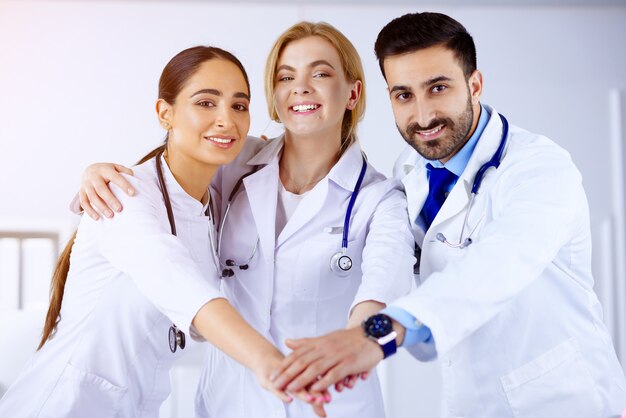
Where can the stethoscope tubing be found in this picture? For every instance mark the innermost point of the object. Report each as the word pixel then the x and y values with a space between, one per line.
pixel 494 162
pixel 496 158
pixel 355 193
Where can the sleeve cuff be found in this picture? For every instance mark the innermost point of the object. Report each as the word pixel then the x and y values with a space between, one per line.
pixel 416 332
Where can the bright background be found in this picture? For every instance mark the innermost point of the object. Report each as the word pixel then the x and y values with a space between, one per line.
pixel 78 82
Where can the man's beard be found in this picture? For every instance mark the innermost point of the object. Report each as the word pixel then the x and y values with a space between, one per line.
pixel 453 140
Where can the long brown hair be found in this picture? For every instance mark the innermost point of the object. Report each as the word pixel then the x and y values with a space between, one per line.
pixel 173 78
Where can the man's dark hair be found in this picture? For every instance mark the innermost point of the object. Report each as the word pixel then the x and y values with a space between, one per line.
pixel 415 31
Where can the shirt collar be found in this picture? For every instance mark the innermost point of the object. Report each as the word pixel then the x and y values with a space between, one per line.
pixel 458 163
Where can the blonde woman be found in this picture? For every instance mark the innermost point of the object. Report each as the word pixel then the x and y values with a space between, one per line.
pixel 314 238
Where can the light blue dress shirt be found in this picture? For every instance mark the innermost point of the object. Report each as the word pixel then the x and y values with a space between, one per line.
pixel 416 332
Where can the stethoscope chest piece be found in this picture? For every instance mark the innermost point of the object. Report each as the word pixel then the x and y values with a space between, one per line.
pixel 177 339
pixel 341 263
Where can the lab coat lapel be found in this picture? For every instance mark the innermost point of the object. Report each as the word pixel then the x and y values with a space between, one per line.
pixel 485 148
pixel 262 191
pixel 306 210
pixel 416 189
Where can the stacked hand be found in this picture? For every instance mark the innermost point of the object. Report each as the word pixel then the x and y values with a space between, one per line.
pixel 338 358
pixel 315 399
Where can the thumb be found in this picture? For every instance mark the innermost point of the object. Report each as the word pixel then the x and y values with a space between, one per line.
pixel 294 344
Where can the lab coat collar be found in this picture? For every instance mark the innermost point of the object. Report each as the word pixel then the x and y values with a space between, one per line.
pixel 344 173
pixel 179 198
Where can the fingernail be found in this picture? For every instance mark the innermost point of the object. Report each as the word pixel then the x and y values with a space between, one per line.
pixel 131 192
pixel 309 397
pixel 108 214
pixel 289 398
pixel 327 397
pixel 117 208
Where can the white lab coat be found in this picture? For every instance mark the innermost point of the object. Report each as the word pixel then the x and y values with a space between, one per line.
pixel 289 290
pixel 129 279
pixel 517 325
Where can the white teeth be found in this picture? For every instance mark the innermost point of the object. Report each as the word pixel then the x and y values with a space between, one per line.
pixel 433 131
pixel 220 140
pixel 304 107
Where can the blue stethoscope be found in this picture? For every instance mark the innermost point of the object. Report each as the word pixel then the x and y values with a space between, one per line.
pixel 340 262
pixel 494 162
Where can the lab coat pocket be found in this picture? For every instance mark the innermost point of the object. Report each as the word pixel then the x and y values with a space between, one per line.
pixel 555 384
pixel 314 279
pixel 79 393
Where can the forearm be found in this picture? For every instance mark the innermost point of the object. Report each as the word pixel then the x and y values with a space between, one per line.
pixel 363 311
pixel 221 325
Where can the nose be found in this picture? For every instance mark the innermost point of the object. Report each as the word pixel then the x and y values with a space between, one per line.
pixel 423 113
pixel 223 117
pixel 302 86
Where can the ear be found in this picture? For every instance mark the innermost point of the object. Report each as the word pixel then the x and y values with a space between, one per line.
pixel 355 94
pixel 475 84
pixel 164 113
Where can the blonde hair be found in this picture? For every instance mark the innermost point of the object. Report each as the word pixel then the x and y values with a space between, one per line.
pixel 350 60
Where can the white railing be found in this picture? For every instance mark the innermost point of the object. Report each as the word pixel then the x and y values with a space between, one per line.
pixel 26 262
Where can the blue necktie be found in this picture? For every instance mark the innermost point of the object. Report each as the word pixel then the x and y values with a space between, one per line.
pixel 439 182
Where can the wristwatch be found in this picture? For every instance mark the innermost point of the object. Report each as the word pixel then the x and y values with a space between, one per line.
pixel 379 328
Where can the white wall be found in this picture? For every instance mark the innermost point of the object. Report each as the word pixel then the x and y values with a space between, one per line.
pixel 78 83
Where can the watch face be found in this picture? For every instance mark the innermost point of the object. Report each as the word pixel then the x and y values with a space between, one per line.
pixel 378 325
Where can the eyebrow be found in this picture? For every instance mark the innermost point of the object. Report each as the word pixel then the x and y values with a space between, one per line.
pixel 426 83
pixel 435 80
pixel 400 88
pixel 216 92
pixel 311 65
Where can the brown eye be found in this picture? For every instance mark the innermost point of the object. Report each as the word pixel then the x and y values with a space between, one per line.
pixel 438 89
pixel 404 96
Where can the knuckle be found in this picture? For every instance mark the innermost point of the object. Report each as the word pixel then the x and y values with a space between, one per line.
pixel 299 363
